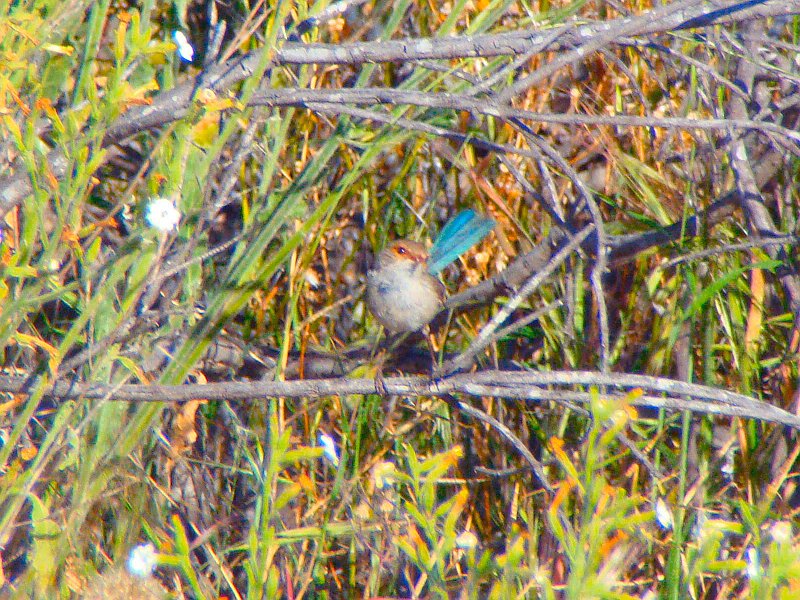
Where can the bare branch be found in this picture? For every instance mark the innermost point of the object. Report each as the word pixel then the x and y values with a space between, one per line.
pixel 509 385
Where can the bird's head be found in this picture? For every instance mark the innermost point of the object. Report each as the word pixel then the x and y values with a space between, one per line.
pixel 403 252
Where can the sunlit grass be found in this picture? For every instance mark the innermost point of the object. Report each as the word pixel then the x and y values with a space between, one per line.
pixel 239 500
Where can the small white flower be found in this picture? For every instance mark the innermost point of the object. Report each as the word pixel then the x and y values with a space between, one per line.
pixel 329 448
pixel 782 532
pixel 466 540
pixel 185 50
pixel 142 560
pixel 753 569
pixel 663 515
pixel 162 214
pixel 728 467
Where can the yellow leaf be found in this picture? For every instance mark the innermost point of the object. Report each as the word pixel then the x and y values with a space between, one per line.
pixel 28 452
pixel 55 49
pixel 206 130
pixel 608 545
pixel 221 104
pixel 21 271
pixel 305 483
pixel 184 433
pixel 206 96
pixel 23 339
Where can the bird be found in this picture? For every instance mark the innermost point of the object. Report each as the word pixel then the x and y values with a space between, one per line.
pixel 404 292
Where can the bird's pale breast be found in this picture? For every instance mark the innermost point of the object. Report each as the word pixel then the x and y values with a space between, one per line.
pixel 403 296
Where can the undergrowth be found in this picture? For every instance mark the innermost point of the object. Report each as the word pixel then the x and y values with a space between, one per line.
pixel 281 209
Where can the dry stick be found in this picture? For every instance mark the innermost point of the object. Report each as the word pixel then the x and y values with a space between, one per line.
pixel 513 43
pixel 766 412
pixel 216 36
pixel 486 334
pixel 486 85
pixel 777 241
pixel 519 385
pixel 300 97
pixel 723 402
pixel 536 466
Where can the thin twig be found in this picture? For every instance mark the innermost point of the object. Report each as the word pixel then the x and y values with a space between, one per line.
pixel 536 466
pixel 749 245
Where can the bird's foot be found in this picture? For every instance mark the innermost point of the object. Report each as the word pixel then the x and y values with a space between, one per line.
pixel 380 383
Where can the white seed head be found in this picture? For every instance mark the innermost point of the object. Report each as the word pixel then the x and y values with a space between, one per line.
pixel 142 560
pixel 162 214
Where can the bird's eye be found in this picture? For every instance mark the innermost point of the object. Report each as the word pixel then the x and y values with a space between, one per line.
pixel 401 250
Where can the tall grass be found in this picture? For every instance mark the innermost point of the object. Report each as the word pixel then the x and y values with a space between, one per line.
pixel 281 209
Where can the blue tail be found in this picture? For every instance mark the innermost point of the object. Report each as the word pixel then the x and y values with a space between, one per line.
pixel 460 233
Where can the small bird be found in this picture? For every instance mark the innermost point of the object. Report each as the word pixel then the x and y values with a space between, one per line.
pixel 403 290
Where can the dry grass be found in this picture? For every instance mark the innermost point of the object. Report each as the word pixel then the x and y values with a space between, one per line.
pixel 283 205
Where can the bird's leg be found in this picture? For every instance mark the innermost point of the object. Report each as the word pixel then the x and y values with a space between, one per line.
pixel 380 382
pixel 391 343
pixel 430 339
pixel 380 385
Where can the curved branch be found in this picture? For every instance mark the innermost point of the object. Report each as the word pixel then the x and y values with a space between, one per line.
pixel 510 385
